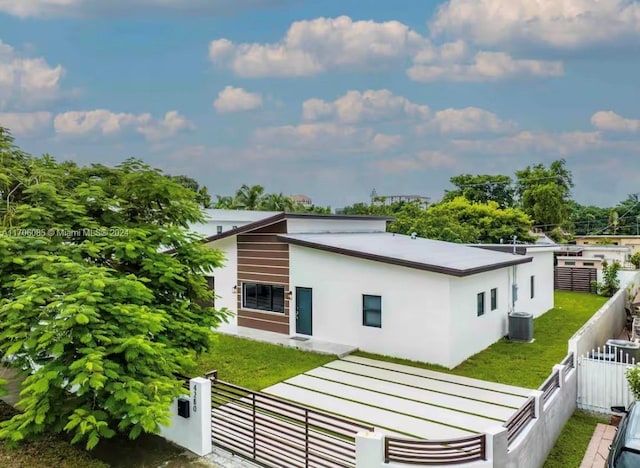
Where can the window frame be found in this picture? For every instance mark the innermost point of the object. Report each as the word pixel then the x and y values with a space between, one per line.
pixel 493 298
pixel 219 229
pixel 480 304
pixel 367 311
pixel 255 306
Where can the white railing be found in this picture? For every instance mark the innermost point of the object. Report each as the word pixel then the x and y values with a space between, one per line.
pixel 601 380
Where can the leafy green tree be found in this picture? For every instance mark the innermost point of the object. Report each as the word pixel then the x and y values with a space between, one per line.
pixel 545 192
pixel 635 260
pixel 202 198
pixel 587 219
pixel 461 221
pixel 92 312
pixel 483 188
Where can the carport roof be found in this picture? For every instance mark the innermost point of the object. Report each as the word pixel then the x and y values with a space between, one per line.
pixel 423 254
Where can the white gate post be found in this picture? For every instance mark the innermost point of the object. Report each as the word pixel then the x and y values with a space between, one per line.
pixel 369 449
pixel 497 446
pixel 538 403
pixel 561 373
pixel 194 431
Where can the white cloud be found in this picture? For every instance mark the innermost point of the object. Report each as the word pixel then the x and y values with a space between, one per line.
pixel 383 142
pixel 557 23
pixel 610 121
pixel 315 135
pixel 485 66
pixel 370 105
pixel 314 46
pixel 105 122
pixel 172 124
pixel 468 120
pixel 26 81
pixel 422 160
pixel 232 99
pixel 561 144
pixel 71 8
pixel 25 123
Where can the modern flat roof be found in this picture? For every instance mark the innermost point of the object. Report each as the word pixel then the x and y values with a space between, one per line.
pixel 281 216
pixel 423 254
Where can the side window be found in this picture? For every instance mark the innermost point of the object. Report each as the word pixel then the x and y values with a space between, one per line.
pixel 480 304
pixel 371 311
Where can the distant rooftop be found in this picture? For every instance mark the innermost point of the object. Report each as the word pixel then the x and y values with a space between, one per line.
pixel 423 254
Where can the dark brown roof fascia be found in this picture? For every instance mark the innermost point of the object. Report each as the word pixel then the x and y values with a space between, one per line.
pixel 405 263
pixel 247 227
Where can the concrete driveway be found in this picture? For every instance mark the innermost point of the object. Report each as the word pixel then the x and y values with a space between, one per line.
pixel 403 400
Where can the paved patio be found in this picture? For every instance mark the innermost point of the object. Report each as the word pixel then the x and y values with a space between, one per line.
pixel 311 344
pixel 404 400
pixel 598 449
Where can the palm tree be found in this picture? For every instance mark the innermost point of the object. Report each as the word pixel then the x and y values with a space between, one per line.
pixel 249 197
pixel 225 203
pixel 277 202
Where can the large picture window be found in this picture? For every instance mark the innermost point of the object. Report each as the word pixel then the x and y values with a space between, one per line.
pixel 371 311
pixel 265 297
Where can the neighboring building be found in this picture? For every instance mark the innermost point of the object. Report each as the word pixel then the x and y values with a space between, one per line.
pixel 302 199
pixel 542 238
pixel 389 199
pixel 219 221
pixel 343 279
pixel 582 254
pixel 633 242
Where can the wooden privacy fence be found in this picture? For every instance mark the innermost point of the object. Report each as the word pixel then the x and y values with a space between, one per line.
pixel 575 279
pixel 278 433
pixel 427 452
pixel 601 380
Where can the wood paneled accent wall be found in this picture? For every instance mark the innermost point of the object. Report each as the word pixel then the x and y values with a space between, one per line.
pixel 263 259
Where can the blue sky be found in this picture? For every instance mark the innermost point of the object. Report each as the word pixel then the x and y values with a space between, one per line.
pixel 331 98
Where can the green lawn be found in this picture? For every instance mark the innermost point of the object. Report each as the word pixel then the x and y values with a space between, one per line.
pixel 526 364
pixel 573 441
pixel 253 364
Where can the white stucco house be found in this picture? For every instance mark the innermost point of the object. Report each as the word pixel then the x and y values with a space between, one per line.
pixel 344 279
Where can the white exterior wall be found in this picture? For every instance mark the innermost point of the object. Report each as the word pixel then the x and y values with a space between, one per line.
pixel 416 321
pixel 610 255
pixel 470 333
pixel 225 279
pixel 542 268
pixel 318 225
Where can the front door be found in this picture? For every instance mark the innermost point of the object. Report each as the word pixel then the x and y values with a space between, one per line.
pixel 303 311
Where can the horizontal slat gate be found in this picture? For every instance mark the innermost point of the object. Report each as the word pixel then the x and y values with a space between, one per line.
pixel 575 279
pixel 278 433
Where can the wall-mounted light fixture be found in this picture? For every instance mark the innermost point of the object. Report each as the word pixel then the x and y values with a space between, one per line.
pixel 235 288
pixel 289 294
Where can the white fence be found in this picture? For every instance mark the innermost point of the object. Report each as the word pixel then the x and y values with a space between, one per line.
pixel 606 323
pixel 602 383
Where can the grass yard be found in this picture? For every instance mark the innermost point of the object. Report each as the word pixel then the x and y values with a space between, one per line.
pixel 253 364
pixel 573 441
pixel 526 364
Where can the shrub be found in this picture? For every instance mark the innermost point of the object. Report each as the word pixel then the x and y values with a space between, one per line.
pixel 610 282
